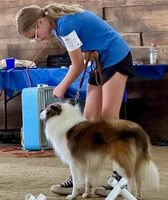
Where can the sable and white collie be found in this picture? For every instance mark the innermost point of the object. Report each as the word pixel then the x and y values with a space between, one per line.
pixel 84 145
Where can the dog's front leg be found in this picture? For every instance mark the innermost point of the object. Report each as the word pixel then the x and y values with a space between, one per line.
pixel 76 188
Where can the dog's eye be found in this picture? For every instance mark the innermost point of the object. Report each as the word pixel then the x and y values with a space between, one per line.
pixel 41 111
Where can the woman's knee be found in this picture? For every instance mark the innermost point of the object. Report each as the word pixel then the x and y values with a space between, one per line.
pixel 91 116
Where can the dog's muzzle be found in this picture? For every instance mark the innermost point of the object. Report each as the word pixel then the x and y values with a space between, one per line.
pixel 43 115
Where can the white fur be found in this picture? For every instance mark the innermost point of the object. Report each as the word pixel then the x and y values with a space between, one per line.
pixel 150 175
pixel 56 130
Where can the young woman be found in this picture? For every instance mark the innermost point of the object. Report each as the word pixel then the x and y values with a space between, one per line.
pixel 81 31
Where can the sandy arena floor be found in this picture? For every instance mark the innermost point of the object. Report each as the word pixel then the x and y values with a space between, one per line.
pixel 22 175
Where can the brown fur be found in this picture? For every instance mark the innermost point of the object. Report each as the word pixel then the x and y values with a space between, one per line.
pixel 114 138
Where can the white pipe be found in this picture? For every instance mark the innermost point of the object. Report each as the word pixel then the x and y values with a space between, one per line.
pixel 119 188
pixel 29 196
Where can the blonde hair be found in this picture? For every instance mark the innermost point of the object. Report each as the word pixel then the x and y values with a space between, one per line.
pixel 27 16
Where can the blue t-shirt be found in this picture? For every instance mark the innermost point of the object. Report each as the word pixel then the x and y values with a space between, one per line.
pixel 95 34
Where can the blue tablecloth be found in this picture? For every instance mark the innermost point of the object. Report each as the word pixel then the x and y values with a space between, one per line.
pixel 17 79
pixel 153 72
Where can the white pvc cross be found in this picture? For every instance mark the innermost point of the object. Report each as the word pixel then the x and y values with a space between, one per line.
pixel 29 196
pixel 119 188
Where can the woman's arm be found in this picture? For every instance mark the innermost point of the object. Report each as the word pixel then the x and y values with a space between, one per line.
pixel 75 69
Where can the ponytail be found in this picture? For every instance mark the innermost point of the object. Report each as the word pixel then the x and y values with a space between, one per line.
pixel 56 10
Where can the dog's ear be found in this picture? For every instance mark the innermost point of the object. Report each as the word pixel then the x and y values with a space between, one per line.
pixel 56 108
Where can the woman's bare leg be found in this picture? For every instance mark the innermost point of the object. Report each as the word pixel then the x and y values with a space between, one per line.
pixel 112 95
pixel 93 104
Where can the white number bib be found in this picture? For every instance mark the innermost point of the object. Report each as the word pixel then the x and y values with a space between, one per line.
pixel 72 41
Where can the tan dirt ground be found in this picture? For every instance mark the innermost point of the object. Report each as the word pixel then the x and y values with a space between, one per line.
pixel 22 175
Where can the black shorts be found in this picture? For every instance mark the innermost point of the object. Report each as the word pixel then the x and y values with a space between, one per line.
pixel 124 67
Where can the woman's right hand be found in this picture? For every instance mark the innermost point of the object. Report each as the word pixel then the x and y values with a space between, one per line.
pixel 59 91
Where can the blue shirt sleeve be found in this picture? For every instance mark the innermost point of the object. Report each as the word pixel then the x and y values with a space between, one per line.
pixel 66 25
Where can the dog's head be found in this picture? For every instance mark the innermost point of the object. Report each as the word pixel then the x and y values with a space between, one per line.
pixel 66 110
pixel 51 110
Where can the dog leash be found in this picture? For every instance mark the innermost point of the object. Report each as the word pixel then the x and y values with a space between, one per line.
pixel 95 56
pixel 33 61
pixel 75 99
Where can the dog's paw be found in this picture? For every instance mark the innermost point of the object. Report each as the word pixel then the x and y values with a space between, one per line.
pixel 86 195
pixel 70 197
